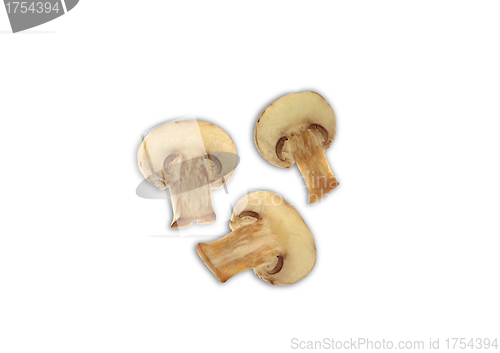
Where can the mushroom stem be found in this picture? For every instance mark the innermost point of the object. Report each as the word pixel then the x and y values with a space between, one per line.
pixel 244 248
pixel 313 166
pixel 192 195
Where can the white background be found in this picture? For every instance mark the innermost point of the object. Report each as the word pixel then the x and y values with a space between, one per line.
pixel 407 245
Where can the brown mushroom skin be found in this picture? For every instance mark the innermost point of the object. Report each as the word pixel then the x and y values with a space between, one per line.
pixel 269 236
pixel 298 128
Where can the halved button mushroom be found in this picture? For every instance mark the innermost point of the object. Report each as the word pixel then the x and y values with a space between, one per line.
pixel 298 128
pixel 190 157
pixel 267 235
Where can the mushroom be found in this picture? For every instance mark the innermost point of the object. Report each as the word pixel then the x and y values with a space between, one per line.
pixel 267 235
pixel 298 128
pixel 191 158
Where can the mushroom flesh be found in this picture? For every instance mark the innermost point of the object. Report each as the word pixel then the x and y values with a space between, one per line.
pixel 191 158
pixel 267 235
pixel 298 128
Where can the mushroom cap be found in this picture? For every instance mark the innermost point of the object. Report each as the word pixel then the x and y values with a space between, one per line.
pixel 190 139
pixel 291 114
pixel 295 238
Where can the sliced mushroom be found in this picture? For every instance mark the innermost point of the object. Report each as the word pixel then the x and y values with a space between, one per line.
pixel 267 235
pixel 298 128
pixel 191 158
